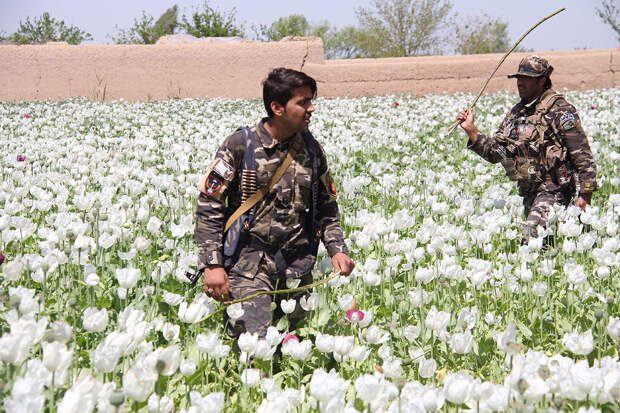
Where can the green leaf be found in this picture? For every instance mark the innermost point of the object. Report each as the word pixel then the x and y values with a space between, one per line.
pixel 282 324
pixel 564 326
pixel 307 331
pixel 523 329
pixel 323 318
pixel 197 376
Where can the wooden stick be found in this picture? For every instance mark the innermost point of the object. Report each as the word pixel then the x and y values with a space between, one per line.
pixel 484 86
pixel 275 292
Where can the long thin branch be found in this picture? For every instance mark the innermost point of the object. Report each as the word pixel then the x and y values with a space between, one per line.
pixel 484 86
pixel 275 292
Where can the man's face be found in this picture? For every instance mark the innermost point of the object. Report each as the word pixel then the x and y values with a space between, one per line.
pixel 298 110
pixel 530 87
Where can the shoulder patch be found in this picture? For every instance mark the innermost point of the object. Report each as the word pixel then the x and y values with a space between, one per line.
pixel 567 121
pixel 221 168
pixel 332 187
pixel 213 184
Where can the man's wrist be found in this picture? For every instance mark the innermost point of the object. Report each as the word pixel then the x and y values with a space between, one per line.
pixel 473 135
pixel 209 257
pixel 335 249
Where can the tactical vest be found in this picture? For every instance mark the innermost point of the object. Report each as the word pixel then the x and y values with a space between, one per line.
pixel 533 151
pixel 238 234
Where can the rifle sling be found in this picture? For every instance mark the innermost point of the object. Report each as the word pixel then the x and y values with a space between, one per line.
pixel 263 190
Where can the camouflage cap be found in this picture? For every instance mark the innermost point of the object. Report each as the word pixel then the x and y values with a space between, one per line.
pixel 533 66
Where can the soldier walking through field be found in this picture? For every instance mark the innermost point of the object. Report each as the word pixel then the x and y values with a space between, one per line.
pixel 541 145
pixel 264 205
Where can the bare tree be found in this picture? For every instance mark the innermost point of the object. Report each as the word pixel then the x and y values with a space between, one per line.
pixel 404 27
pixel 609 13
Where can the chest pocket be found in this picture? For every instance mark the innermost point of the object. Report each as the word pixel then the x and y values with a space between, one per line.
pixel 523 151
pixel 528 160
pixel 283 202
pixel 303 188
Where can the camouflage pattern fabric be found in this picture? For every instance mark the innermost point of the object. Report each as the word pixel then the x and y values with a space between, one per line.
pixel 260 312
pixel 533 66
pixel 543 147
pixel 537 207
pixel 279 223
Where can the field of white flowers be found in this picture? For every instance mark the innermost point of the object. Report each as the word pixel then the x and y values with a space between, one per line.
pixel 445 311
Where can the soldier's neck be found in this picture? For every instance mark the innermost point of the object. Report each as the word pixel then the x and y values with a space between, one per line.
pixel 276 130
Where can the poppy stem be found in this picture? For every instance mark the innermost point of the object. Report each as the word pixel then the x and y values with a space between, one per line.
pixel 275 292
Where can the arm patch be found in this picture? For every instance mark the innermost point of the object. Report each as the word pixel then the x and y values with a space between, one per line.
pixel 567 121
pixel 211 183
pixel 332 187
pixel 222 169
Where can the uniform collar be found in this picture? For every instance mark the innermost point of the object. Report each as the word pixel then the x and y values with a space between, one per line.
pixel 535 102
pixel 268 141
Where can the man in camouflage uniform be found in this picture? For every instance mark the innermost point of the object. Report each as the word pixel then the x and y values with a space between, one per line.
pixel 541 145
pixel 274 242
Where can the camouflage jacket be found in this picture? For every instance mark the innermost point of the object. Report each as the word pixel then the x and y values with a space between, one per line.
pixel 280 217
pixel 542 146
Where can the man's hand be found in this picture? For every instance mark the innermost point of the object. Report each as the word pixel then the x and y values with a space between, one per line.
pixel 342 263
pixel 216 282
pixel 584 200
pixel 466 120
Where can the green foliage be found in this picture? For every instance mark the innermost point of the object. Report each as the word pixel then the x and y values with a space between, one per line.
pixel 167 22
pixel 609 13
pixel 350 42
pixel 144 31
pixel 482 34
pixel 293 25
pixel 139 33
pixel 210 22
pixel 47 29
pixel 346 43
pixel 403 27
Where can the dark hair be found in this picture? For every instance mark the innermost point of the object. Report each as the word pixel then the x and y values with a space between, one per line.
pixel 279 86
pixel 548 83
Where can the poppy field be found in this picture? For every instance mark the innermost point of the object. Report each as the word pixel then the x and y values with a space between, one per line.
pixel 445 311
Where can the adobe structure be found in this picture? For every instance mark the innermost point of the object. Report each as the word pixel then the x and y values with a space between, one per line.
pixel 234 70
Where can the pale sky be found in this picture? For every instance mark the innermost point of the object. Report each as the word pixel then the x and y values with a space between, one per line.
pixel 577 27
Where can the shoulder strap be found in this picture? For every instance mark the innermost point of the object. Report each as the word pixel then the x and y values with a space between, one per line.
pixel 542 109
pixel 546 104
pixel 312 225
pixel 263 190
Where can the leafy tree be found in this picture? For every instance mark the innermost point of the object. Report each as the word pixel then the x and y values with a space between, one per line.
pixel 609 13
pixel 403 27
pixel 167 22
pixel 481 34
pixel 209 22
pixel 338 44
pixel 140 33
pixel 47 29
pixel 293 25
pixel 349 42
pixel 144 31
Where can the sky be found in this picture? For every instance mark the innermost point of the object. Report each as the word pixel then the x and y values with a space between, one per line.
pixel 577 27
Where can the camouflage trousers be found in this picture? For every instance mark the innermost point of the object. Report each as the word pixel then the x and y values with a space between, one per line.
pixel 260 312
pixel 537 206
